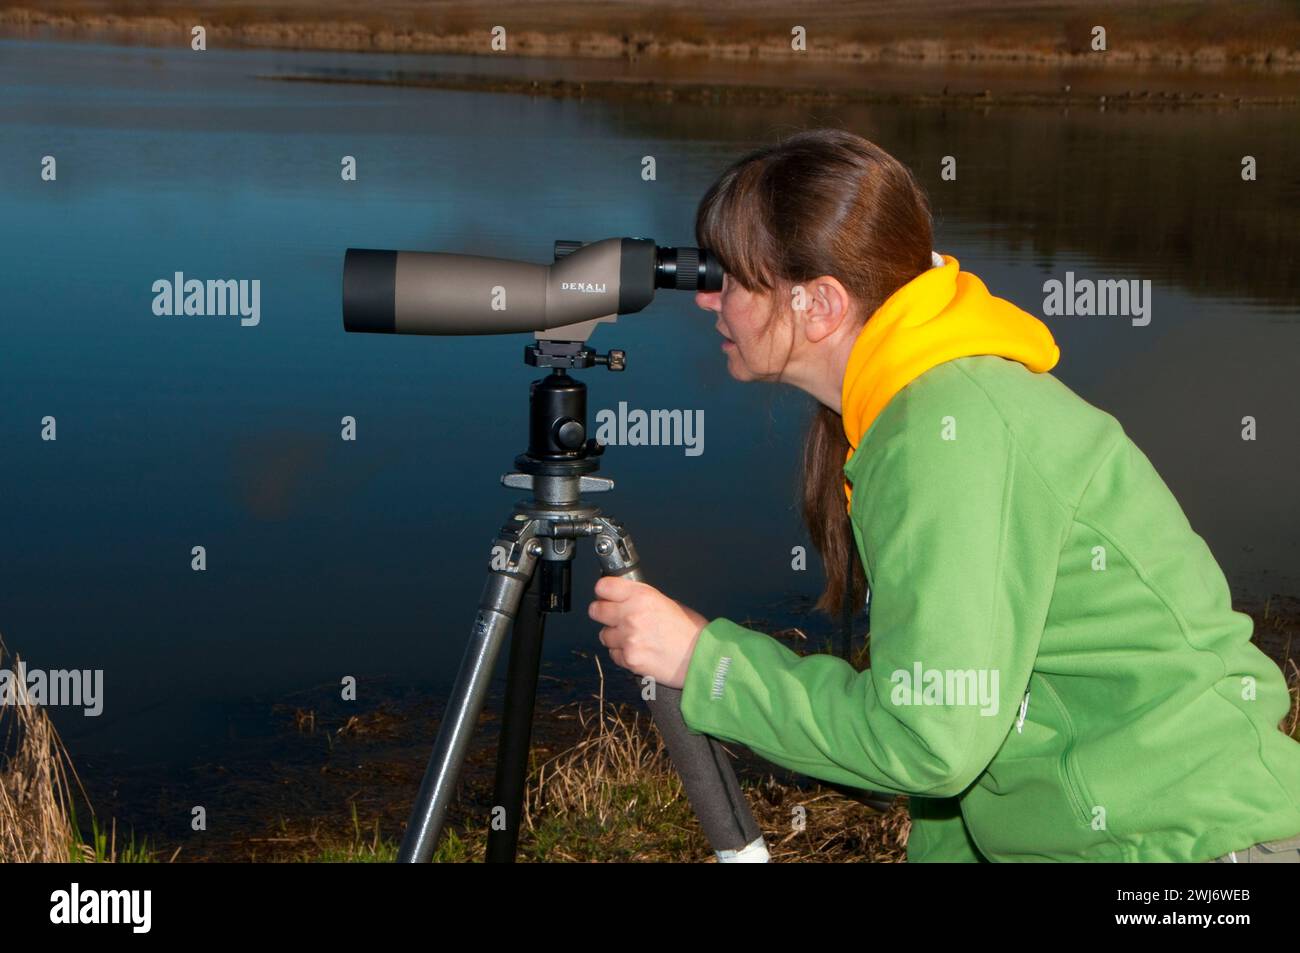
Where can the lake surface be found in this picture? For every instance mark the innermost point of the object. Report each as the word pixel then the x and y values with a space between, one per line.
pixel 328 558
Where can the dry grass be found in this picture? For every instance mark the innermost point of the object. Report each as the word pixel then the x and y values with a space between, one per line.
pixel 1277 626
pixel 611 794
pixel 38 792
pixel 37 783
pixel 615 796
pixel 613 753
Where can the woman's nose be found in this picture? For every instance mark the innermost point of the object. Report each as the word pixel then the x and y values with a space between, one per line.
pixel 708 300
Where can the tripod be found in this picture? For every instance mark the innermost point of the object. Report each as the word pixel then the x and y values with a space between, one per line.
pixel 530 576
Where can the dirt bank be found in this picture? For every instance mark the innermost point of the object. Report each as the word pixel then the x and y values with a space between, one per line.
pixel 1263 34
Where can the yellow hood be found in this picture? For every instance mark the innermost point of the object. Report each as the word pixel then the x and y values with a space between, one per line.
pixel 940 315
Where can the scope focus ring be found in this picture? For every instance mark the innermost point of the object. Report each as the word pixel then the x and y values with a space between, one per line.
pixel 688 269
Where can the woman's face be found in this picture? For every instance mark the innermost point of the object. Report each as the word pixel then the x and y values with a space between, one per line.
pixel 754 352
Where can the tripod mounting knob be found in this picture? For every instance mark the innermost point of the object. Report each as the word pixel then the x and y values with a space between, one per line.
pixel 614 360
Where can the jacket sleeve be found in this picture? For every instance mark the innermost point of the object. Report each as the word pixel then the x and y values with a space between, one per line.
pixel 961 542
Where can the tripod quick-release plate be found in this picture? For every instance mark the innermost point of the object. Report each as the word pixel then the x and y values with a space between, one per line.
pixel 572 354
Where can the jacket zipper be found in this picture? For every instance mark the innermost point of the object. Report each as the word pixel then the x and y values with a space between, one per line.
pixel 1024 708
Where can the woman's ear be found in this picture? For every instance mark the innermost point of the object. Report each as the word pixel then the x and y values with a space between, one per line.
pixel 825 303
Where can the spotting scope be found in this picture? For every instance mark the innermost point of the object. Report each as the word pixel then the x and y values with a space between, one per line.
pixel 410 292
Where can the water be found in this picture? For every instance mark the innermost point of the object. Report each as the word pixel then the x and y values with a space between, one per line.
pixel 328 558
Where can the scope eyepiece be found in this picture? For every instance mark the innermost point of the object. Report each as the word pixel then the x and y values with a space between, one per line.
pixel 678 268
pixel 687 269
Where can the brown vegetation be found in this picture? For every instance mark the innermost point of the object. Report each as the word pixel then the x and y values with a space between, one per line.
pixel 1264 32
pixel 36 786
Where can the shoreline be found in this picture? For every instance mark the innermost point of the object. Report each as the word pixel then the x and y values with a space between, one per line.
pixel 737 94
pixel 683 63
pixel 353 35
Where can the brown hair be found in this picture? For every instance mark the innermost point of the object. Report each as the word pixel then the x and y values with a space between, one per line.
pixel 820 202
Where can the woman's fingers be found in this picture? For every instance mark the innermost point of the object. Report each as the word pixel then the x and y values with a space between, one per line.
pixel 616 599
pixel 615 588
pixel 604 612
pixel 610 635
pixel 630 612
pixel 644 630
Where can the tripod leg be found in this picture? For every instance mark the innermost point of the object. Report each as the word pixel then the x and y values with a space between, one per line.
pixel 517 722
pixel 514 556
pixel 706 772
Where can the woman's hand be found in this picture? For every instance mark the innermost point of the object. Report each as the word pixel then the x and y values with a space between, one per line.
pixel 645 631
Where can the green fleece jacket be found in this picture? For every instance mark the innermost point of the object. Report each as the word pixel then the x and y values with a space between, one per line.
pixel 1057 672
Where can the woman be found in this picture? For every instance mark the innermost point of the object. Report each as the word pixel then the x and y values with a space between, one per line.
pixel 1057 672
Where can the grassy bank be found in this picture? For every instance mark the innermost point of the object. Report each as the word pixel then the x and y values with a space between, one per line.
pixel 610 794
pixel 600 789
pixel 613 797
pixel 1169 32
